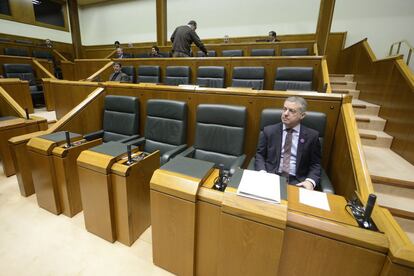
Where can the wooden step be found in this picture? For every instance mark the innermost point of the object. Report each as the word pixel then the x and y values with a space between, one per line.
pixel 370 122
pixel 354 93
pixel 407 225
pixel 400 201
pixel 387 167
pixel 343 85
pixel 365 108
pixel 341 77
pixel 375 138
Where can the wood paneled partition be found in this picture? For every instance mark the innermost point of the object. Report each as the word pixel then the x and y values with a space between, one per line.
pixel 19 91
pixel 320 75
pixel 42 67
pixel 389 83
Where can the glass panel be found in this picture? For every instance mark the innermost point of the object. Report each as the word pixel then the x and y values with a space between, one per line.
pixel 5 7
pixel 49 12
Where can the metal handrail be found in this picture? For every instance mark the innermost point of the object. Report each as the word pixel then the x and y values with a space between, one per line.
pixel 410 51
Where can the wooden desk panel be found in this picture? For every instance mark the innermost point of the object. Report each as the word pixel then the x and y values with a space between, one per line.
pixel 307 253
pixel 19 91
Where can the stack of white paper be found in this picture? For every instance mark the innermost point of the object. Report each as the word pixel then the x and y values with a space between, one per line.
pixel 260 185
pixel 314 198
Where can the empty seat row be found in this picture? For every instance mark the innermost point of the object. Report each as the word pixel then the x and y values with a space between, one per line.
pixel 286 78
pixel 238 53
pixel 26 72
pixel 219 130
pixel 25 53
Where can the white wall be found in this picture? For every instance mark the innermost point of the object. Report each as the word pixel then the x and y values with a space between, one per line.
pixel 216 18
pixel 15 28
pixel 126 21
pixel 382 21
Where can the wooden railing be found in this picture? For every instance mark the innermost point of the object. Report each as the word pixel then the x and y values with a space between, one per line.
pixel 19 91
pixel 389 83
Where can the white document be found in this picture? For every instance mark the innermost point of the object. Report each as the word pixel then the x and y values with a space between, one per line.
pixel 314 198
pixel 260 185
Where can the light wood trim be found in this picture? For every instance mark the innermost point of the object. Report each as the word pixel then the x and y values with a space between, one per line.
pixel 270 214
pixel 111 54
pixel 175 184
pixel 60 124
pixel 325 75
pixel 338 231
pixel 62 57
pixel 406 72
pixel 19 112
pixel 362 175
pixel 315 49
pixel 96 161
pixel 323 28
pixel 161 7
pixel 43 69
pixel 97 73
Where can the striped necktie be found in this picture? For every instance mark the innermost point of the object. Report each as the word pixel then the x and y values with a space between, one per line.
pixel 287 152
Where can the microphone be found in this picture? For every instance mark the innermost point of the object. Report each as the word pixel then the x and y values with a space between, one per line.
pixel 129 155
pixel 368 209
pixel 27 113
pixel 68 144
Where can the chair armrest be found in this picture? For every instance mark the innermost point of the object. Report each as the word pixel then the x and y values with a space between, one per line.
pixel 325 184
pixel 237 164
pixel 188 152
pixel 94 135
pixel 128 139
pixel 250 166
pixel 172 153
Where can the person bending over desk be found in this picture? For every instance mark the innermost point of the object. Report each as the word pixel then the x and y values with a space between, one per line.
pixel 118 75
pixel 183 37
pixel 291 149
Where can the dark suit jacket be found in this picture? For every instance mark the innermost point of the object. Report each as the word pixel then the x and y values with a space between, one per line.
pixel 122 77
pixel 183 37
pixel 308 158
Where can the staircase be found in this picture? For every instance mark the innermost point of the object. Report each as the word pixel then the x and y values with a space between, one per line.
pixel 392 176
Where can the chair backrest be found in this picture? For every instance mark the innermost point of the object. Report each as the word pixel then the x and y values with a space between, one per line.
pixel 314 120
pixel 232 53
pixel 293 78
pixel 176 75
pixel 130 71
pixel 165 54
pixel 16 52
pixel 295 52
pixel 166 125
pixel 220 131
pixel 21 71
pixel 142 55
pixel 42 54
pixel 149 74
pixel 248 77
pixel 262 52
pixel 210 76
pixel 211 53
pixel 121 117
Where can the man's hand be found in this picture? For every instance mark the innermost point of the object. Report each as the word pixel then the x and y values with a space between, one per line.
pixel 306 184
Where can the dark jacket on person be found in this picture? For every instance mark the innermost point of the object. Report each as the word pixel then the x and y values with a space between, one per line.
pixel 308 160
pixel 120 76
pixel 183 37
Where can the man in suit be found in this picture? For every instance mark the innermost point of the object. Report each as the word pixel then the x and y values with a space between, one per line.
pixel 183 37
pixel 118 75
pixel 272 37
pixel 291 149
pixel 120 53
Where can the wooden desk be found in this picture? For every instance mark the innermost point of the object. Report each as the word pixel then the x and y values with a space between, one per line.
pixel 67 178
pixel 115 196
pixel 226 234
pixel 19 91
pixel 43 169
pixel 16 127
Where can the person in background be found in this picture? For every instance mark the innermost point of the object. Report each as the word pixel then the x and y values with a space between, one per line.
pixel 117 44
pixel 155 52
pixel 289 148
pixel 183 37
pixel 272 37
pixel 118 75
pixel 120 53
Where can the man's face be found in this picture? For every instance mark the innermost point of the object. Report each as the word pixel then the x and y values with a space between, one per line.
pixel 153 51
pixel 117 68
pixel 119 52
pixel 292 114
